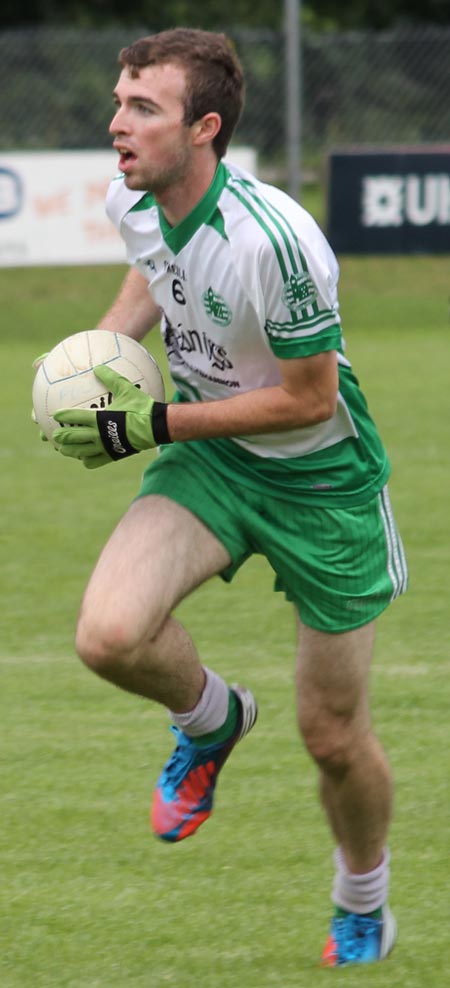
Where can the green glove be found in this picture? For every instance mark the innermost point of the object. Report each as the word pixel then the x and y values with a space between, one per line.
pixel 131 423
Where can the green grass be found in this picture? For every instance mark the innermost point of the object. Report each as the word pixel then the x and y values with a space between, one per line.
pixel 88 899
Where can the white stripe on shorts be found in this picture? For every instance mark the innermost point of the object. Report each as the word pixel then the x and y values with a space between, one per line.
pixel 396 561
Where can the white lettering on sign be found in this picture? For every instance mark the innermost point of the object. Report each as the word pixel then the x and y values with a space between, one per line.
pixel 392 200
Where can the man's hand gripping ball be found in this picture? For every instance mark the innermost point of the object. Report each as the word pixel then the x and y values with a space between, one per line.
pixel 131 423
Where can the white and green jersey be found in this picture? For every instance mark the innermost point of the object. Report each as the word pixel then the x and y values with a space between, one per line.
pixel 247 279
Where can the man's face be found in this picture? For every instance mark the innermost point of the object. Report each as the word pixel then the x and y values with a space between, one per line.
pixel 155 146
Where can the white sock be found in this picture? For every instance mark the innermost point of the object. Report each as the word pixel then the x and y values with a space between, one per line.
pixel 211 710
pixel 360 893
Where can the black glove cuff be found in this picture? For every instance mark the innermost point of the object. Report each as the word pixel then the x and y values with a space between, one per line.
pixel 159 423
pixel 111 426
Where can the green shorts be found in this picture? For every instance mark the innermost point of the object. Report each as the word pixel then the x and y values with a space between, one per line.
pixel 341 567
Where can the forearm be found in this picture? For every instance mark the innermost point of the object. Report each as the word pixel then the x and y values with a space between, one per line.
pixel 133 312
pixel 267 410
pixel 134 421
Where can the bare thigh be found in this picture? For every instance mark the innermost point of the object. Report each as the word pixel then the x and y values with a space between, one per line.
pixel 158 553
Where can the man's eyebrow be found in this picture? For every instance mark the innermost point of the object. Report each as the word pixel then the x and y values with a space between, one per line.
pixel 137 99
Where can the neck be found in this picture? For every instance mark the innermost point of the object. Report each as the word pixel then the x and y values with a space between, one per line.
pixel 178 201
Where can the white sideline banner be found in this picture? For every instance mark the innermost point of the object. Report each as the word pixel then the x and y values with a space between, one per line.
pixel 52 207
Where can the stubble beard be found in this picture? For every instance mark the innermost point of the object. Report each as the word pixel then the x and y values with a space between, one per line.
pixel 159 181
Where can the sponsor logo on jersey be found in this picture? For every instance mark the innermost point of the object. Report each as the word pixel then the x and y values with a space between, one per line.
pixel 299 291
pixel 216 308
pixel 179 341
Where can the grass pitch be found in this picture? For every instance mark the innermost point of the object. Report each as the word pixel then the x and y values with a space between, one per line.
pixel 88 898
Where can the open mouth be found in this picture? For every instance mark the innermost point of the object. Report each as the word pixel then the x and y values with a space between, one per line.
pixel 126 159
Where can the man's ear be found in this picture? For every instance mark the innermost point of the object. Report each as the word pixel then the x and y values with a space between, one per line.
pixel 206 129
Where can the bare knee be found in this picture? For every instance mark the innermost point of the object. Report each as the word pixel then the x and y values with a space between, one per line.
pixel 331 740
pixel 109 643
pixel 102 647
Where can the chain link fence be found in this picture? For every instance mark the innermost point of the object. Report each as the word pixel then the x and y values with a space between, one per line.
pixel 357 88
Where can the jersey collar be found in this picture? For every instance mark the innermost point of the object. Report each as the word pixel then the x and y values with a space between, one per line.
pixel 176 237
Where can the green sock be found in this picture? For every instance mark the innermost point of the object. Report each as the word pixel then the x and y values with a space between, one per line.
pixel 341 913
pixel 228 727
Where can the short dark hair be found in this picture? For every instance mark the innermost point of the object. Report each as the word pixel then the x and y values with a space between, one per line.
pixel 214 75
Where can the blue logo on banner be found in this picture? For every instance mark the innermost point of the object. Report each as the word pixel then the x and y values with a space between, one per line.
pixel 11 193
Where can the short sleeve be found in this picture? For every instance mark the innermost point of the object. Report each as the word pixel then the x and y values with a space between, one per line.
pixel 298 274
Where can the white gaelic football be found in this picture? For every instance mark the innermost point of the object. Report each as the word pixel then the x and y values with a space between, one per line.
pixel 65 378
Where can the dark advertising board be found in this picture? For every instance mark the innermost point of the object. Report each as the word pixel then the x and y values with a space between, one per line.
pixel 390 201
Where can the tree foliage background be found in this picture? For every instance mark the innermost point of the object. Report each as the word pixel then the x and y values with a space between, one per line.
pixel 217 15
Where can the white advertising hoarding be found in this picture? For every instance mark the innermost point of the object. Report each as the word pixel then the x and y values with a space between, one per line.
pixel 52 207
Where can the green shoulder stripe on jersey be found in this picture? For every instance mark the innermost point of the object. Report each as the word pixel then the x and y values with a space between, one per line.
pixel 275 244
pixel 280 222
pixel 203 214
pixel 287 232
pixel 147 202
pixel 292 243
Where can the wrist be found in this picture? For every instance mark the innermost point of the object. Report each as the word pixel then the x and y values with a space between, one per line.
pixel 159 424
